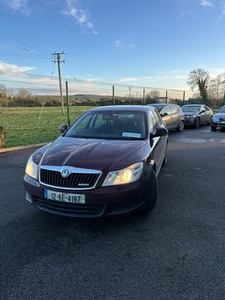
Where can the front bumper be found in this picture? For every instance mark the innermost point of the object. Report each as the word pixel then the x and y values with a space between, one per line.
pixel 100 202
pixel 218 123
pixel 189 121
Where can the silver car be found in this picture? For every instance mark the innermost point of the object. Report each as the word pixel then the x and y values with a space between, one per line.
pixel 218 120
pixel 171 114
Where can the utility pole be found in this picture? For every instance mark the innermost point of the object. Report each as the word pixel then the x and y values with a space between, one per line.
pixel 144 96
pixel 129 94
pixel 113 94
pixel 58 56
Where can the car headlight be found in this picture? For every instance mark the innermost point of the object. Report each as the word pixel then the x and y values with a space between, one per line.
pixel 192 117
pixel 31 169
pixel 215 119
pixel 127 175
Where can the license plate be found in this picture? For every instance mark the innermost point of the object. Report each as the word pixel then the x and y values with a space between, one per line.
pixel 222 122
pixel 64 197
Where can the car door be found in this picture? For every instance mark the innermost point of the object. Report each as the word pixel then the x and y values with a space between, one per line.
pixel 159 143
pixel 203 114
pixel 165 113
pixel 207 114
pixel 176 115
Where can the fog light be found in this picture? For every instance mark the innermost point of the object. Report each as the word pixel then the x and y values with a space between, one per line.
pixel 28 197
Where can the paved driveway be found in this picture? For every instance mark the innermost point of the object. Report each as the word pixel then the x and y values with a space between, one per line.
pixel 177 252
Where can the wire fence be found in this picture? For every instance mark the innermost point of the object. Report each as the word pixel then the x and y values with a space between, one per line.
pixel 39 124
pixel 40 85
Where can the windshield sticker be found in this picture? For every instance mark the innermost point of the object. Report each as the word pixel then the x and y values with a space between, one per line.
pixel 131 134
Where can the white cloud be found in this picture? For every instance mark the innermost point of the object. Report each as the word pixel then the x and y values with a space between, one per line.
pixel 118 43
pixel 16 5
pixel 206 3
pixel 128 79
pixel 80 15
pixel 11 69
pixel 221 15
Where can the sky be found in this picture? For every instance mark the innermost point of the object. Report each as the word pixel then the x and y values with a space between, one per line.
pixel 153 43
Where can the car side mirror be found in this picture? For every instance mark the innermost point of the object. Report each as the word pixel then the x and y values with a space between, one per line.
pixel 63 128
pixel 160 131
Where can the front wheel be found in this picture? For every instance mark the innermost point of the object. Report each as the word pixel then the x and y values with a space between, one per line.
pixel 180 126
pixel 197 123
pixel 213 127
pixel 152 193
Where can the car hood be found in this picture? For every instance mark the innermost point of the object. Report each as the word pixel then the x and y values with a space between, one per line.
pixel 93 153
pixel 219 115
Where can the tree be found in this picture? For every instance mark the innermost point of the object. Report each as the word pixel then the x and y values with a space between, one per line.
pixel 199 78
pixel 216 89
pixel 154 94
pixel 2 91
pixel 23 93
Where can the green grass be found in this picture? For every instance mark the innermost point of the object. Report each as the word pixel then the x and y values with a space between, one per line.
pixel 35 125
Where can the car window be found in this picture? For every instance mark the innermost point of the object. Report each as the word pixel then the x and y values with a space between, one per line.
pixel 155 120
pixel 107 124
pixel 166 109
pixel 157 106
pixel 190 108
pixel 84 123
pixel 174 109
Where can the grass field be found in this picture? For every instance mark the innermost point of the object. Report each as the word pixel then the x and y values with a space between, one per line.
pixel 35 125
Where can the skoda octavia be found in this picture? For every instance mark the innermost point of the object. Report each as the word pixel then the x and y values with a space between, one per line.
pixel 105 164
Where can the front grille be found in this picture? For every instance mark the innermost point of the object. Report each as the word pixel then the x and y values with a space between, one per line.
pixel 73 181
pixel 69 209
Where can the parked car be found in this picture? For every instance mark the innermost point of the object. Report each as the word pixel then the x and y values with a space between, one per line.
pixel 106 163
pixel 171 114
pixel 196 114
pixel 218 120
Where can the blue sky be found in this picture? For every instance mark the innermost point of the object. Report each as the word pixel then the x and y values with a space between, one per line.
pixel 145 43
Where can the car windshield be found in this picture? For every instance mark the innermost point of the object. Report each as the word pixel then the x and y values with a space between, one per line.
pixel 158 107
pixel 222 110
pixel 190 108
pixel 109 125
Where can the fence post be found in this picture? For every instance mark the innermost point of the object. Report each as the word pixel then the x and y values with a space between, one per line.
pixel 144 96
pixel 2 138
pixel 113 94
pixel 183 97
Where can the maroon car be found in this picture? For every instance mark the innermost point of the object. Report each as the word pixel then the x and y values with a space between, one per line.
pixel 106 163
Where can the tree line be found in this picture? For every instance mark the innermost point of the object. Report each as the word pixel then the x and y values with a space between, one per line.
pixel 210 90
pixel 25 99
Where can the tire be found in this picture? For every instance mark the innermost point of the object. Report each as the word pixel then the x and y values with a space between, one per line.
pixel 180 126
pixel 208 123
pixel 197 123
pixel 152 193
pixel 165 160
pixel 165 157
pixel 213 127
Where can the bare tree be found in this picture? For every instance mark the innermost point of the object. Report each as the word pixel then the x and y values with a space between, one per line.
pixel 216 89
pixel 154 94
pixel 3 91
pixel 22 93
pixel 199 78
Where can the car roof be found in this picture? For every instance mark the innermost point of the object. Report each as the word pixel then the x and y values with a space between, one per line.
pixel 193 104
pixel 141 108
pixel 162 104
